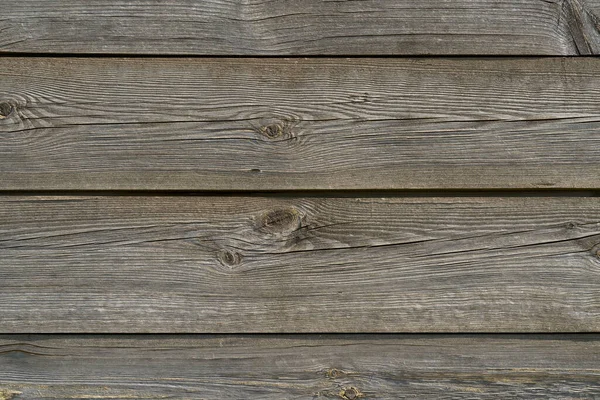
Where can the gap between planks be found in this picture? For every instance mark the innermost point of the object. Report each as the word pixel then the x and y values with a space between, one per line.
pixel 313 193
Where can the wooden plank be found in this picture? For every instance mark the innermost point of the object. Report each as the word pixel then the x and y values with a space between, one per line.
pixel 267 264
pixel 286 124
pixel 304 27
pixel 300 367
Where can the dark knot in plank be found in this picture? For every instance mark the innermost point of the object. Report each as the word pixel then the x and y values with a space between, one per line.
pixel 596 250
pixel 229 258
pixel 6 110
pixel 279 221
pixel 334 373
pixel 276 129
pixel 350 393
pixel 272 131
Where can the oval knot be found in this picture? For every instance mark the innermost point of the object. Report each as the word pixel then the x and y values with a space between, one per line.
pixel 6 109
pixel 350 393
pixel 229 258
pixel 279 221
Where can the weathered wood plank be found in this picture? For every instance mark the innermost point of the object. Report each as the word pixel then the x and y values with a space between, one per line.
pixel 300 367
pixel 270 124
pixel 267 264
pixel 304 27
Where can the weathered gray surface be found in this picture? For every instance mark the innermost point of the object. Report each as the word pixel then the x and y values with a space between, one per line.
pixel 267 124
pixel 308 258
pixel 303 27
pixel 300 367
pixel 256 264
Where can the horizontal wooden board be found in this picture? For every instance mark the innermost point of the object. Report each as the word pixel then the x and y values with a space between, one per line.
pixel 286 124
pixel 303 27
pixel 299 367
pixel 266 264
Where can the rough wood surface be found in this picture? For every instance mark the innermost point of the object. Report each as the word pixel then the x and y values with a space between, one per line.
pixel 303 27
pixel 267 264
pixel 269 124
pixel 300 367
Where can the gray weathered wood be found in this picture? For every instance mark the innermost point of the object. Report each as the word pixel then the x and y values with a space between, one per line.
pixel 304 27
pixel 300 367
pixel 266 264
pixel 267 124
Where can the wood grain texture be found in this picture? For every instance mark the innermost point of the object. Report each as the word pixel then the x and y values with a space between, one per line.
pixel 303 27
pixel 299 367
pixel 267 264
pixel 286 124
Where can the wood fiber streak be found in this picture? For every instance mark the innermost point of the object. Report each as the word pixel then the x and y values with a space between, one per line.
pixel 287 124
pixel 265 264
pixel 303 27
pixel 299 367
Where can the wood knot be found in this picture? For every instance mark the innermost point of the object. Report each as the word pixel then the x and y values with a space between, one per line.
pixel 276 129
pixel 571 225
pixel 6 110
pixel 334 373
pixel 228 258
pixel 6 394
pixel 279 221
pixel 272 131
pixel 350 393
pixel 596 250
